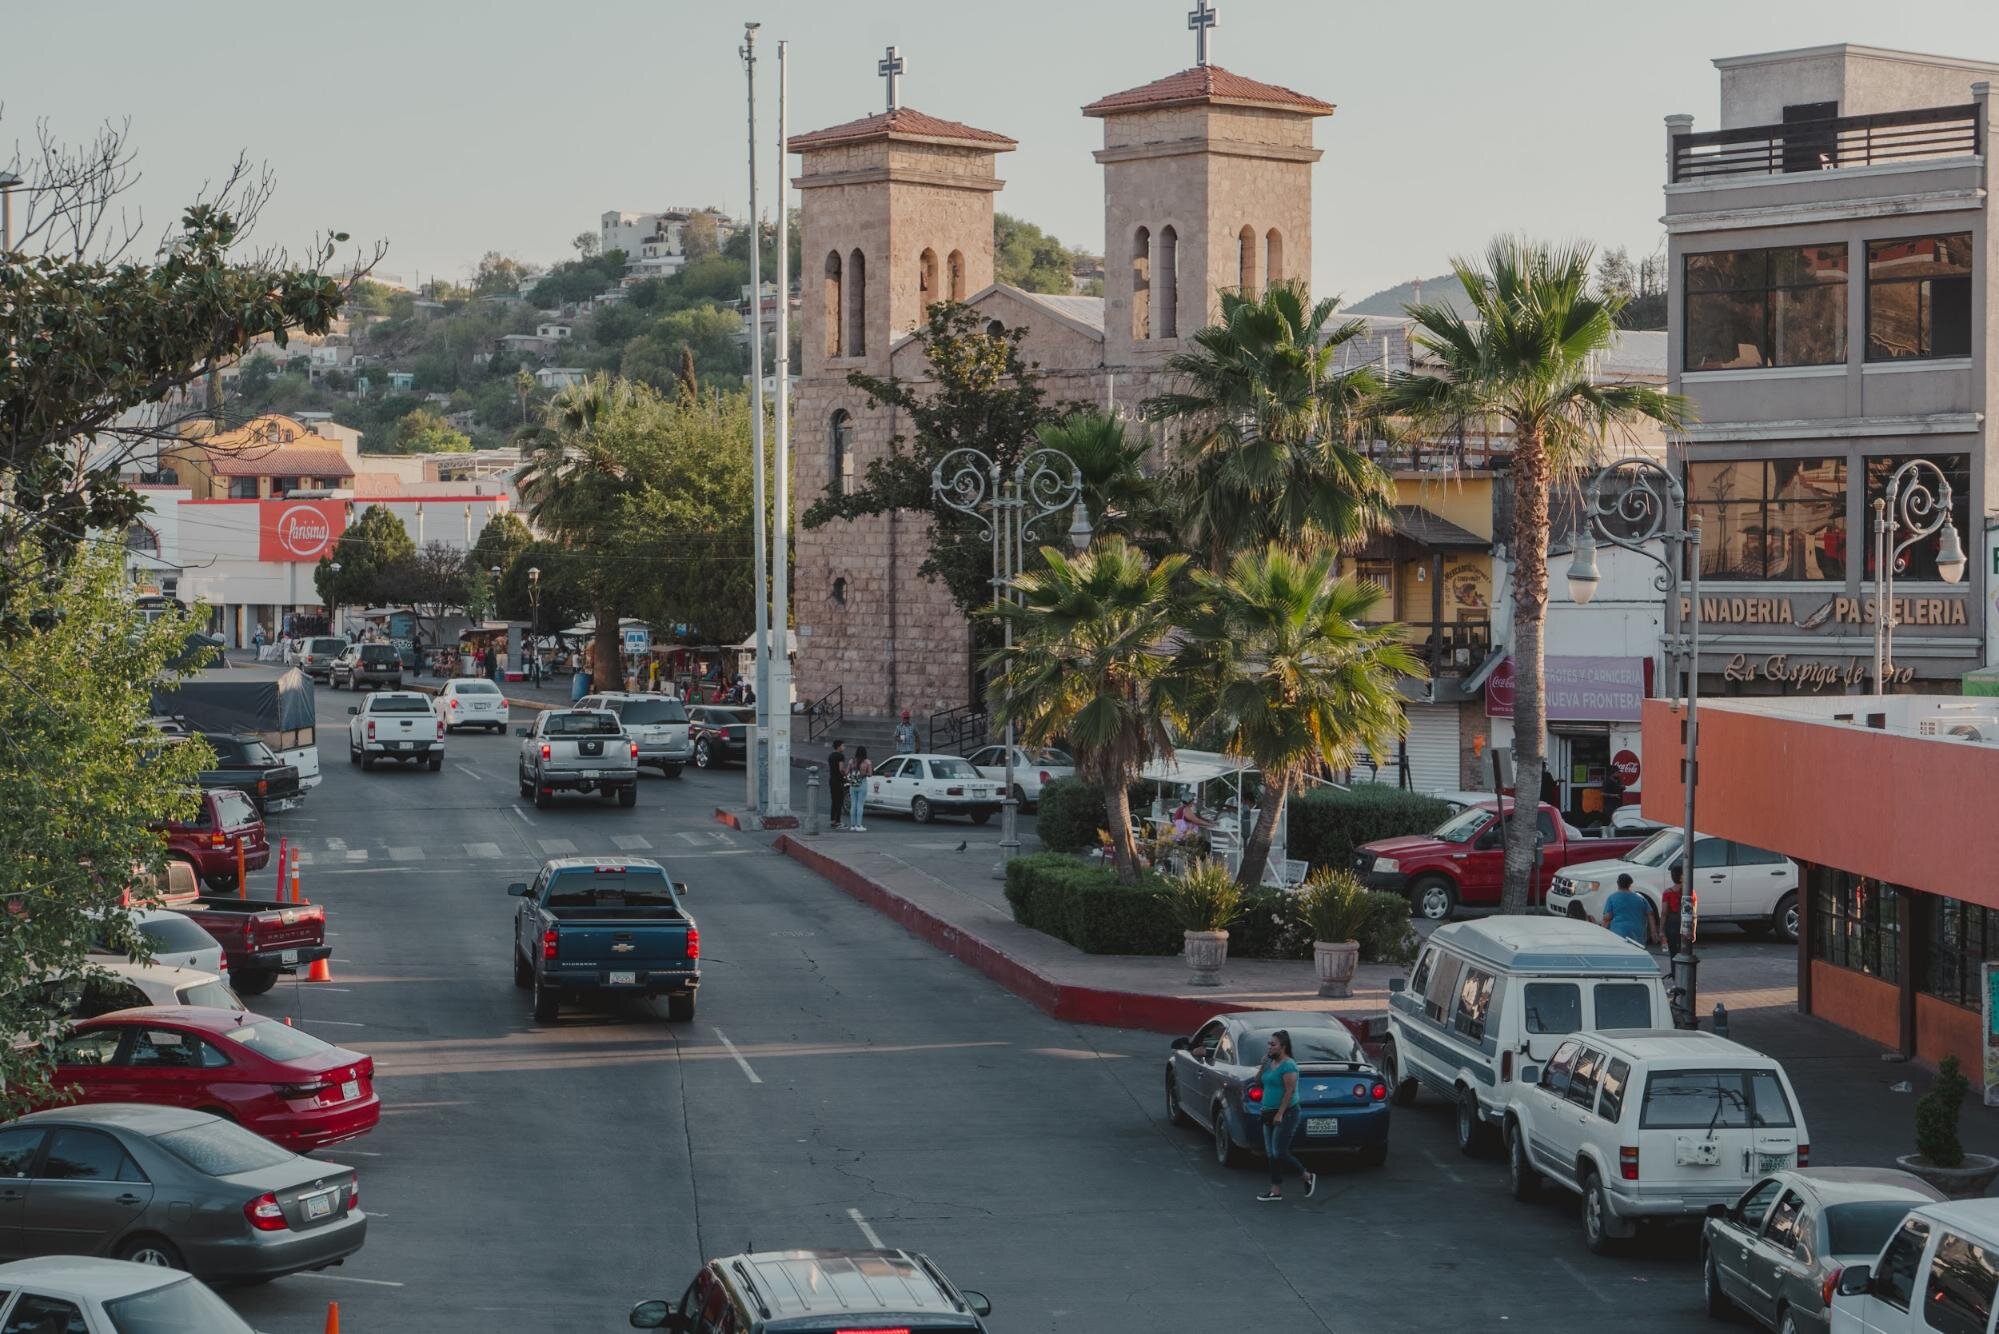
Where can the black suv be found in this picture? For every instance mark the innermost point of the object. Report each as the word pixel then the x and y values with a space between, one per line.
pixel 366 665
pixel 773 1291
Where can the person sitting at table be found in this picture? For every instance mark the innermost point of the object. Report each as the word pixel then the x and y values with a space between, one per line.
pixel 1188 822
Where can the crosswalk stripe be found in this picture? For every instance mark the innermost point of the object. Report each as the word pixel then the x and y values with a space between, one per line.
pixel 336 845
pixel 357 855
pixel 482 849
pixel 692 839
pixel 405 854
pixel 632 842
pixel 556 847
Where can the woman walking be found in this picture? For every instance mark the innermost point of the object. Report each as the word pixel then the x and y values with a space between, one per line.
pixel 857 788
pixel 1278 1076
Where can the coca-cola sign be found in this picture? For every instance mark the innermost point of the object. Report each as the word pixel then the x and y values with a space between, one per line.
pixel 300 530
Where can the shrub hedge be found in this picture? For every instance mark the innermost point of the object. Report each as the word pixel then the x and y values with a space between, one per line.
pixel 1326 824
pixel 1083 903
pixel 1069 815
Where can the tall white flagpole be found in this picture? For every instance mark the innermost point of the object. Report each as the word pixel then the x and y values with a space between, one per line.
pixel 753 753
pixel 778 801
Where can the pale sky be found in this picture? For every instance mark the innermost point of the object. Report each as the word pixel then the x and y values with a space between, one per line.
pixel 453 127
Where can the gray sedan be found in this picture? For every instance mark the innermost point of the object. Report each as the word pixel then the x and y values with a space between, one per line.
pixel 167 1186
pixel 1777 1252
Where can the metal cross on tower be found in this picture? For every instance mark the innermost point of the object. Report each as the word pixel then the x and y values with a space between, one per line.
pixel 1199 21
pixel 892 67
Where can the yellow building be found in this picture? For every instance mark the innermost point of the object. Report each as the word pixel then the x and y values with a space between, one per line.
pixel 265 458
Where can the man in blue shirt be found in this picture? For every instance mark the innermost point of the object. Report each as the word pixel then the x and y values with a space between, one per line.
pixel 1626 913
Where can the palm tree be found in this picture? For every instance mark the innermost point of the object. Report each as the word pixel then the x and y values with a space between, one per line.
pixel 1122 500
pixel 1287 667
pixel 1525 358
pixel 1271 456
pixel 1089 662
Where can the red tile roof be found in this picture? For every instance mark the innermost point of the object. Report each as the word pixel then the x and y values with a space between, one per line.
pixel 279 461
pixel 1209 84
pixel 902 123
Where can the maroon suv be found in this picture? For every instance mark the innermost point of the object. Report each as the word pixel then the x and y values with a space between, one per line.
pixel 207 840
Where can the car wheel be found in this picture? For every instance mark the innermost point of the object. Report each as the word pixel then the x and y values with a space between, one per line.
pixel 680 1009
pixel 919 810
pixel 1785 919
pixel 1712 1297
pixel 546 1003
pixel 523 975
pixel 221 881
pixel 1226 1152
pixel 1433 898
pixel 527 786
pixel 981 817
pixel 1578 913
pixel 543 798
pixel 253 981
pixel 1520 1172
pixel 436 763
pixel 1596 1216
pixel 1019 795
pixel 702 759
pixel 151 1249
pixel 670 770
pixel 1401 1092
pixel 353 755
pixel 1471 1131
pixel 628 797
pixel 1175 1114
pixel 1786 1324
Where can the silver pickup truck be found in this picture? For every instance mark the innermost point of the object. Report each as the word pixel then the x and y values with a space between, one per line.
pixel 578 750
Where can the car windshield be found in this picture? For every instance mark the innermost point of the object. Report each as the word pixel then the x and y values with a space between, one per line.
pixel 728 717
pixel 279 1042
pixel 186 1307
pixel 171 933
pixel 222 1148
pixel 256 752
pixel 1864 1228
pixel 212 994
pixel 652 712
pixel 1054 759
pixel 640 887
pixel 474 688
pixel 399 704
pixel 1658 850
pixel 1307 1045
pixel 234 808
pixel 952 767
pixel 1462 827
pixel 580 724
pixel 334 646
pixel 378 653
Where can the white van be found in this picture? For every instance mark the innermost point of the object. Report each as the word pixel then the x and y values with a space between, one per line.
pixel 1489 1001
pixel 1939 1271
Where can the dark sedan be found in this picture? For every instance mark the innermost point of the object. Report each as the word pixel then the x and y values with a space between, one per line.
pixel 1777 1252
pixel 167 1186
pixel 720 733
pixel 1342 1099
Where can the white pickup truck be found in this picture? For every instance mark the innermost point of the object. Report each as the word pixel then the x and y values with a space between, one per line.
pixel 578 750
pixel 395 725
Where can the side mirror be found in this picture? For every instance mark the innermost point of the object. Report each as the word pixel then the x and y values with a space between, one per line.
pixel 518 889
pixel 651 1315
pixel 1717 1211
pixel 520 731
pixel 977 1301
pixel 1855 1280
pixel 352 709
pixel 1180 1044
pixel 1397 985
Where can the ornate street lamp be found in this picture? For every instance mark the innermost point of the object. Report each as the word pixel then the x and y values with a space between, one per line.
pixel 1007 507
pixel 1917 497
pixel 534 620
pixel 1628 504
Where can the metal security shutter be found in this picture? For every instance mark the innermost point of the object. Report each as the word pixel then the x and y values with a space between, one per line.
pixel 1433 747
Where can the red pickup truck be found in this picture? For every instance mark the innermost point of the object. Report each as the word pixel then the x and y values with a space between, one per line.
pixel 1461 863
pixel 207 840
pixel 261 938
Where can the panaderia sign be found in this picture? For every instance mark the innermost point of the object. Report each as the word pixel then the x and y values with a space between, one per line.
pixel 1806 613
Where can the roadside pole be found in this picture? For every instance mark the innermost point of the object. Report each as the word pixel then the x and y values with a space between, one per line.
pixel 753 754
pixel 778 785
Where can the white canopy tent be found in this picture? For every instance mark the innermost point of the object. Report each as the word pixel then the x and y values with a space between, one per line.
pixel 1192 771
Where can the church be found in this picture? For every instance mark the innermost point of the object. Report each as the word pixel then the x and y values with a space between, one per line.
pixel 1207 187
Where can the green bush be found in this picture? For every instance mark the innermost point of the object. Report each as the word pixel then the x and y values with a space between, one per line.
pixel 1069 815
pixel 1936 1116
pixel 1326 824
pixel 1082 903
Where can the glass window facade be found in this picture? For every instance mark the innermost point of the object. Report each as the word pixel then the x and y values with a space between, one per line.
pixel 1919 297
pixel 1956 938
pixel 1853 922
pixel 1778 307
pixel 1771 518
pixel 1920 560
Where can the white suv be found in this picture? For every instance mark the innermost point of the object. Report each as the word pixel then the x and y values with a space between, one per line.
pixel 1733 882
pixel 1652 1124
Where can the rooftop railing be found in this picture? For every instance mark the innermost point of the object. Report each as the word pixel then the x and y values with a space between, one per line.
pixel 1828 144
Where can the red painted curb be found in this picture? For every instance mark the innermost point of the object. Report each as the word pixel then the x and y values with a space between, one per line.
pixel 1086 1005
pixel 727 817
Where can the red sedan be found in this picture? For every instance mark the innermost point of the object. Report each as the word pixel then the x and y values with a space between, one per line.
pixel 266 1076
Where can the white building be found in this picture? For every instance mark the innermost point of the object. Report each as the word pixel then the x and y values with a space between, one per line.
pixel 560 377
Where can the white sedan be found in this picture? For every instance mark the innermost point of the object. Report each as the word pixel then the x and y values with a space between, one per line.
pixel 1033 769
pixel 471 702
pixel 930 785
pixel 78 1295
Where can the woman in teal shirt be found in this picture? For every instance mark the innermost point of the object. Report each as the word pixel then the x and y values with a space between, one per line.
pixel 1279 1077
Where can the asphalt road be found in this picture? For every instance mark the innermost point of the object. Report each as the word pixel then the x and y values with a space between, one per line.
pixel 841 1081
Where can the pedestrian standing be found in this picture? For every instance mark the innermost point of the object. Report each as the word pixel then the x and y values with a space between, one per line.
pixel 836 773
pixel 905 735
pixel 1670 901
pixel 857 789
pixel 1627 913
pixel 1278 1076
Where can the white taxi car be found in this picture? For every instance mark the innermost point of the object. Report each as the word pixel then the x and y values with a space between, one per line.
pixel 1033 769
pixel 471 702
pixel 79 1295
pixel 926 786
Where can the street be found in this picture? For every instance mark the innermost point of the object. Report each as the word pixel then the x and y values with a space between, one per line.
pixel 841 1081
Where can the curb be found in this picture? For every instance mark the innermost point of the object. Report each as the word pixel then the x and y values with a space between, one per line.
pixel 1086 1005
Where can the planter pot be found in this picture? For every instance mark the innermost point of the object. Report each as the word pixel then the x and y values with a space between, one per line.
pixel 1960 1183
pixel 1336 961
pixel 1206 952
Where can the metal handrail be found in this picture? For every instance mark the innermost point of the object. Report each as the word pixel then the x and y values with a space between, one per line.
pixel 825 713
pixel 964 729
pixel 1828 143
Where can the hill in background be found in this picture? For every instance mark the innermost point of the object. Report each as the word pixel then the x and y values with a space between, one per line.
pixel 1390 300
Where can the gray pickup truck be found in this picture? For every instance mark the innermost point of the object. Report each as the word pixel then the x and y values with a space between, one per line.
pixel 578 750
pixel 601 926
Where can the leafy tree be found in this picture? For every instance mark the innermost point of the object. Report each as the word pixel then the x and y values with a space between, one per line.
pixel 979 394
pixel 424 432
pixel 75 685
pixel 1640 286
pixel 1090 663
pixel 498 273
pixel 585 244
pixel 1117 494
pixel 709 335
pixel 430 582
pixel 1282 662
pixel 564 601
pixel 578 279
pixel 373 545
pixel 1026 257
pixel 1525 358
pixel 1270 452
pixel 699 235
pixel 503 538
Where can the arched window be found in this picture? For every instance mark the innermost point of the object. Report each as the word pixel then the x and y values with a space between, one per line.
pixel 857 304
pixel 835 307
pixel 957 275
pixel 1273 256
pixel 839 434
pixel 142 541
pixel 926 280
pixel 1245 260
pixel 1169 283
pixel 995 328
pixel 1141 284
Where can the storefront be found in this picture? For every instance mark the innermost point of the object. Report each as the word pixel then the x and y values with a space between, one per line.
pixel 1594 729
pixel 1884 803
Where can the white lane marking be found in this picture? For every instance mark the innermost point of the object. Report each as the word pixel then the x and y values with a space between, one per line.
pixel 466 768
pixel 363 1153
pixel 692 840
pixel 482 849
pixel 632 842
pixel 406 854
pixel 1577 1275
pixel 358 855
pixel 869 1233
pixel 739 1056
pixel 1442 1169
pixel 555 847
pixel 719 852
pixel 349 1278
pixel 336 845
pixel 299 857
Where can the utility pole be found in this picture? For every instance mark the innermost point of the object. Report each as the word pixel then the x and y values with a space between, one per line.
pixel 753 756
pixel 778 787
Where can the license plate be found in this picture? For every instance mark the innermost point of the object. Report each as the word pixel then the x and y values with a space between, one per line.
pixel 403 745
pixel 350 1090
pixel 1772 1162
pixel 289 956
pixel 1322 1125
pixel 593 773
pixel 320 1205
pixel 624 979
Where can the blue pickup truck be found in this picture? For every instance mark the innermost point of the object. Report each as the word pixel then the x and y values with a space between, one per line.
pixel 605 926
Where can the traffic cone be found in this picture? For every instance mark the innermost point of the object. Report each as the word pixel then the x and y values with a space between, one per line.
pixel 319 972
pixel 242 875
pixel 333 1318
pixel 296 896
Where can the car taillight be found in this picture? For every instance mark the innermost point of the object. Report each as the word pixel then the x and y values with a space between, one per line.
pixel 371 729
pixel 263 786
pixel 1360 1090
pixel 1804 1155
pixel 454 702
pixel 249 937
pixel 546 751
pixel 1256 1093
pixel 1045 779
pixel 264 1213
pixel 222 964
pixel 1506 1065
pixel 1379 1091
pixel 635 750
pixel 1829 1285
pixel 1627 1164
pixel 354 1195
pixel 954 791
pixel 693 942
pixel 218 839
pixel 300 1090
pixel 548 942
